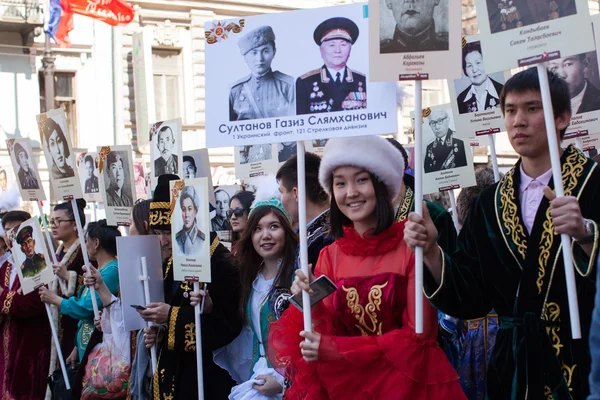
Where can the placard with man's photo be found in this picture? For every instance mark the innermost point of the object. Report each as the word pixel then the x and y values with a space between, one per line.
pixel 25 166
pixel 255 160
pixel 220 221
pixel 6 178
pixel 475 97
pixel 267 83
pixel 115 165
pixel 190 230
pixel 34 265
pixel 527 32
pixel 447 160
pixel 165 149
pixel 414 40
pixel 196 164
pixel 91 181
pixel 58 150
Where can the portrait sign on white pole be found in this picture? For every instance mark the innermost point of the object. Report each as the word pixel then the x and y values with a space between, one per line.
pixel 447 160
pixel 91 180
pixel 190 230
pixel 116 170
pixel 254 160
pixel 412 40
pixel 26 170
pixel 56 142
pixel 131 249
pixel 269 83
pixel 196 164
pixel 522 35
pixel 165 149
pixel 475 97
pixel 34 265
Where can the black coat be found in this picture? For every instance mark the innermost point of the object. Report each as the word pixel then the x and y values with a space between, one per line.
pixel 590 101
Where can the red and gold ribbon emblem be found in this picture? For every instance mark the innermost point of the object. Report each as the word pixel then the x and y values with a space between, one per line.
pixel 177 187
pixel 102 156
pixel 219 31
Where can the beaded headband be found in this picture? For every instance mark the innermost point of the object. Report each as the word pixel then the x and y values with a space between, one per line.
pixel 272 202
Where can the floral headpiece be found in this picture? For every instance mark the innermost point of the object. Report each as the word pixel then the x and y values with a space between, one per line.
pixel 272 202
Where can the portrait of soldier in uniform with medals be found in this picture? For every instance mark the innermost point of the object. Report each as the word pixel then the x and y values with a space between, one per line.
pixel 334 86
pixel 255 153
pixel 34 262
pixel 415 27
pixel 445 151
pixel 189 238
pixel 286 150
pixel 482 92
pixel 510 14
pixel 263 93
pixel 26 174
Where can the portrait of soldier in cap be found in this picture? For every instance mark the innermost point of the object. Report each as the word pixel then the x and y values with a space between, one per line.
pixel 190 238
pixel 576 71
pixel 34 262
pixel 91 180
pixel 26 174
pixel 415 28
pixel 118 188
pixel 263 93
pixel 334 86
pixel 445 151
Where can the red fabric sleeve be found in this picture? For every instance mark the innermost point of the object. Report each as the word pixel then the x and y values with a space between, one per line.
pixel 21 306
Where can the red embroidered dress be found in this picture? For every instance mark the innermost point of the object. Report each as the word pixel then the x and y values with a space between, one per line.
pixel 368 346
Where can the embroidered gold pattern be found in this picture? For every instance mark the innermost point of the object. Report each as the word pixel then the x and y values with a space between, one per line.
pixel 510 214
pixel 406 205
pixel 552 313
pixel 185 286
pixel 6 351
pixel 190 337
pixel 546 243
pixel 172 324
pixel 214 245
pixel 155 386
pixel 169 265
pixel 160 213
pixel 86 333
pixel 568 374
pixel 548 393
pixel 8 302
pixel 371 309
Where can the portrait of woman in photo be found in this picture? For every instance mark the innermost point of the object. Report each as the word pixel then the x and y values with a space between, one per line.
pixel 58 147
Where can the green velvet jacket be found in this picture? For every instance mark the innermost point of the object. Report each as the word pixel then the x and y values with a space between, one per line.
pixel 498 264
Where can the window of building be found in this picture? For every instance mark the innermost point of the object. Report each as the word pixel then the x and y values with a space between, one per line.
pixel 167 70
pixel 65 98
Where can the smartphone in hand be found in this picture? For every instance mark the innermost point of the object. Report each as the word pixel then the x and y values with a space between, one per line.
pixel 322 287
pixel 138 307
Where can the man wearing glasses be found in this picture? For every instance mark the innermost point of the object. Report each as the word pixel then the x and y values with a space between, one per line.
pixel 445 151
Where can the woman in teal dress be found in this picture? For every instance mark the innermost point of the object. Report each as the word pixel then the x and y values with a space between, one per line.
pixel 101 245
pixel 265 259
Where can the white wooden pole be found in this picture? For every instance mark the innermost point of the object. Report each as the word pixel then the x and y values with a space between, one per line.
pixel 198 309
pixel 579 143
pixel 559 190
pixel 63 285
pixel 418 203
pixel 454 211
pixel 61 359
pixel 86 258
pixel 144 278
pixel 302 230
pixel 492 139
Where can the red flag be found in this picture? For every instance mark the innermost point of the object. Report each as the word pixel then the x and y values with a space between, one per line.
pixel 113 12
pixel 65 25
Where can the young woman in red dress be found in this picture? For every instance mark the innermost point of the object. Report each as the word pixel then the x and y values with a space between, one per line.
pixel 363 344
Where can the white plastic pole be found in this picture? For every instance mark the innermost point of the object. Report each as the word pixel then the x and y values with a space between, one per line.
pixel 197 311
pixel 473 152
pixel 63 285
pixel 418 203
pixel 454 213
pixel 57 345
pixel 144 278
pixel 86 258
pixel 95 208
pixel 492 139
pixel 559 190
pixel 302 229
pixel 579 143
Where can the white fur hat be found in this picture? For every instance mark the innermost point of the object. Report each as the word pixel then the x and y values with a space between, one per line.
pixel 373 153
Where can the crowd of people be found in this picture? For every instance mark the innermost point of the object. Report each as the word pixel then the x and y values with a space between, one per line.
pixel 495 315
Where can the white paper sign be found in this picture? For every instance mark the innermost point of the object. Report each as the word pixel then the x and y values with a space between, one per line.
pixel 190 230
pixel 196 164
pixel 34 265
pixel 267 82
pixel 92 184
pixel 26 171
pixel 165 149
pixel 56 142
pixel 116 171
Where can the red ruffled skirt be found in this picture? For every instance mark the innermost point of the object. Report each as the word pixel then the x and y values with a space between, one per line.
pixel 395 365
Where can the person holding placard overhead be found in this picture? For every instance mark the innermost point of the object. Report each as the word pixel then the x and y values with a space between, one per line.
pixel 25 336
pixel 363 343
pixel 176 375
pixel 508 255
pixel 101 246
pixel 57 145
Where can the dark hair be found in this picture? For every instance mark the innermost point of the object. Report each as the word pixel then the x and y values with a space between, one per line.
pixel 469 48
pixel 50 126
pixel 14 216
pixel 113 158
pixel 401 149
pixel 246 198
pixel 68 209
pixel 106 235
pixel 224 191
pixel 467 196
pixel 384 211
pixel 140 214
pixel 88 158
pixel 288 176
pixel 164 129
pixel 191 160
pixel 249 262
pixel 528 81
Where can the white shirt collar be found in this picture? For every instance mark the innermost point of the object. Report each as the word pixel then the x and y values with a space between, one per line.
pixel 526 179
pixel 489 87
pixel 577 100
pixel 333 72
